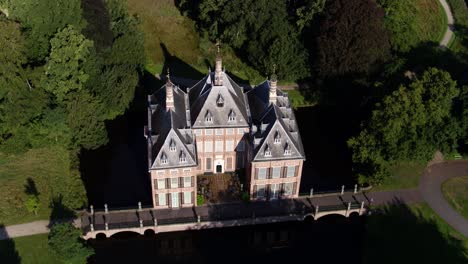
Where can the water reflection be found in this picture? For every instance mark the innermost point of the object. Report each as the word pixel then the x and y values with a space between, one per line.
pixel 332 239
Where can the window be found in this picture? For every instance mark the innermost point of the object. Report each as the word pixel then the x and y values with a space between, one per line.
pixel 288 188
pixel 208 132
pixel 267 152
pixel 172 146
pixel 277 137
pixel 220 101
pixel 219 132
pixel 291 171
pixel 274 191
pixel 287 149
pixel 232 116
pixel 174 182
pixel 276 172
pixel 261 173
pixel 208 146
pixel 187 181
pixel 161 184
pixel 182 157
pixel 240 146
pixel 162 199
pixel 208 164
pixel 198 132
pixel 163 158
pixel 229 163
pixel 208 117
pixel 229 145
pixel 199 164
pixel 229 131
pixel 187 197
pixel 260 191
pixel 240 131
pixel 219 146
pixel 200 146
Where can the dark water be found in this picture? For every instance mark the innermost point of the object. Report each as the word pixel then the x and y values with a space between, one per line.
pixel 333 239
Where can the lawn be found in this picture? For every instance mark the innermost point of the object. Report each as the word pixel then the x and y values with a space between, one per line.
pixel 297 99
pixel 44 166
pixel 431 20
pixel 412 234
pixel 456 193
pixel 404 175
pixel 29 249
pixel 171 39
pixel 460 13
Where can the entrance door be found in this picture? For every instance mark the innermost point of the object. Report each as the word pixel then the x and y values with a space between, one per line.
pixel 174 200
pixel 219 168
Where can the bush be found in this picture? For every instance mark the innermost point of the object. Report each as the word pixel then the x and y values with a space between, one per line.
pixel 66 243
pixel 245 197
pixel 200 199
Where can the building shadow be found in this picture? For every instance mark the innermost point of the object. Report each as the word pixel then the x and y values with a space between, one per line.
pixel 178 67
pixel 412 236
pixel 59 212
pixel 8 252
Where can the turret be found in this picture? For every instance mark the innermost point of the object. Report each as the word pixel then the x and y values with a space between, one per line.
pixel 169 93
pixel 218 69
pixel 273 82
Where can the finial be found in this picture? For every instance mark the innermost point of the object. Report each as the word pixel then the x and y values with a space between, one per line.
pixel 218 44
pixel 167 73
pixel 273 76
pixel 274 68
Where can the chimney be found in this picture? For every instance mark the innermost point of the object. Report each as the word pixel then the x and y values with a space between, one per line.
pixel 273 82
pixel 218 69
pixel 169 93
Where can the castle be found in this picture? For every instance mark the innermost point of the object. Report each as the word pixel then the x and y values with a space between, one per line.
pixel 217 126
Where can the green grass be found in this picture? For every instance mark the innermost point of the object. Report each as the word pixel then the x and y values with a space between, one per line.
pixel 412 234
pixel 297 99
pixel 456 193
pixel 404 175
pixel 29 249
pixel 189 53
pixel 42 166
pixel 460 13
pixel 431 20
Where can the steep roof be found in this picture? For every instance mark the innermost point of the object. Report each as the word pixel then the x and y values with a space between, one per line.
pixel 218 102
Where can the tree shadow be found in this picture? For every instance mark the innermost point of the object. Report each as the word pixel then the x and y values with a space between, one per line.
pixel 8 252
pixel 30 187
pixel 98 26
pixel 59 211
pixel 412 236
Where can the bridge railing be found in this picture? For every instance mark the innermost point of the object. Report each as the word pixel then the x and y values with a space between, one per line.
pixel 339 191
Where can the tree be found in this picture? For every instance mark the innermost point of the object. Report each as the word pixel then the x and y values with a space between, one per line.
pixel 42 19
pixel 410 124
pixel 66 242
pixel 32 204
pixel 352 38
pixel 260 31
pixel 66 69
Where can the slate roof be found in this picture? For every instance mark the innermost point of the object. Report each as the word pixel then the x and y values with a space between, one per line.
pixel 204 99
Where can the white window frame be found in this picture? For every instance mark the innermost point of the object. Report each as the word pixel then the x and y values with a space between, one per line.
pixel 187 181
pixel 219 132
pixel 290 171
pixel 200 146
pixel 208 132
pixel 174 184
pixel 197 132
pixel 240 131
pixel 229 145
pixel 161 184
pixel 219 146
pixel 274 192
pixel 262 172
pixel 278 172
pixel 208 163
pixel 291 184
pixel 229 131
pixel 162 199
pixel 175 197
pixel 209 146
pixel 188 197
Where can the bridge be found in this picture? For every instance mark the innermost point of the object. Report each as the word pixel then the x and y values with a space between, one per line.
pixel 105 223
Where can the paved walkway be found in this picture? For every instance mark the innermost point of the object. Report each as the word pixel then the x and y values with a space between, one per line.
pixel 450 27
pixel 29 229
pixel 430 189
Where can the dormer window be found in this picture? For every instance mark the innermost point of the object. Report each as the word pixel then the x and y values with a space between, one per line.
pixel 277 137
pixel 208 117
pixel 220 101
pixel 182 157
pixel 287 150
pixel 172 146
pixel 232 116
pixel 267 152
pixel 163 158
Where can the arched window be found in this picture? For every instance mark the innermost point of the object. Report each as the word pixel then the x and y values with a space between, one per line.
pixel 172 146
pixel 220 101
pixel 277 137
pixel 182 157
pixel 287 149
pixel 267 152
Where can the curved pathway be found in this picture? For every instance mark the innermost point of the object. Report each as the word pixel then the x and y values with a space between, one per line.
pixel 430 190
pixel 450 27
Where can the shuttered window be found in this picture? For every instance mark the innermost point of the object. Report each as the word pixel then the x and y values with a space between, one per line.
pixel 187 197
pixel 261 173
pixel 276 172
pixel 288 188
pixel 162 199
pixel 187 181
pixel 219 146
pixel 291 171
pixel 161 183
pixel 174 182
pixel 260 191
pixel 208 146
pixel 229 163
pixel 229 145
pixel 208 164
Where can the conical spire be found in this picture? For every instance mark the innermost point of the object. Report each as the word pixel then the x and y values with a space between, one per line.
pixel 218 68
